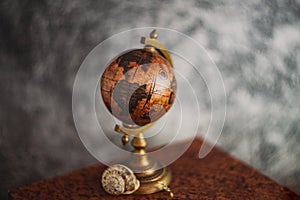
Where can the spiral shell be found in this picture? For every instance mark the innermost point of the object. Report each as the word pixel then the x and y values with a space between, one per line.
pixel 119 179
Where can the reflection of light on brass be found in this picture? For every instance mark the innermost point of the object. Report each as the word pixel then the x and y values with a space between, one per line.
pixel 152 42
pixel 166 188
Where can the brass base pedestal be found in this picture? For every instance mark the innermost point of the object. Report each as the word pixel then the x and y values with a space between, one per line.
pixel 152 176
pixel 155 183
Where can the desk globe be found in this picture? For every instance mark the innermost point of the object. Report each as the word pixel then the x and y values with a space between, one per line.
pixel 138 87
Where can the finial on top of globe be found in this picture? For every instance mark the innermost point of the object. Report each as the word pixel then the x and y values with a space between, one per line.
pixel 138 86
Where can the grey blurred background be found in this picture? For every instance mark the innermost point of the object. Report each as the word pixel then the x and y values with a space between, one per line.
pixel 256 46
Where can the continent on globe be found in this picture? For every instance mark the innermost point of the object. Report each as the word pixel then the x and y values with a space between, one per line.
pixel 138 86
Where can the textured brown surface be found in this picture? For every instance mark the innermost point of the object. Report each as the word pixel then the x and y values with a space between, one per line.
pixel 138 87
pixel 217 176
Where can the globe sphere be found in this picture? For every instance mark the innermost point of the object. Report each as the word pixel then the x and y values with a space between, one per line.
pixel 138 87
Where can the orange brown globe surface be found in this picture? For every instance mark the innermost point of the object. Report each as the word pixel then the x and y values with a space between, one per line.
pixel 138 86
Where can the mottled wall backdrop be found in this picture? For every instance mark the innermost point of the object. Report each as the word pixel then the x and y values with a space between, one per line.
pixel 255 44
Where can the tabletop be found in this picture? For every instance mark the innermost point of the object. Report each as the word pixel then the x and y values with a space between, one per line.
pixel 217 176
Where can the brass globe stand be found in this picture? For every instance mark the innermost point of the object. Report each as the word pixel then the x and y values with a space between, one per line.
pixel 152 177
pixel 145 91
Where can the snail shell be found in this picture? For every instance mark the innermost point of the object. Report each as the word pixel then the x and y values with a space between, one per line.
pixel 119 179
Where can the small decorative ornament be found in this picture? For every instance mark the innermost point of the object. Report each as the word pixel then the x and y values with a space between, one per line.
pixel 119 179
